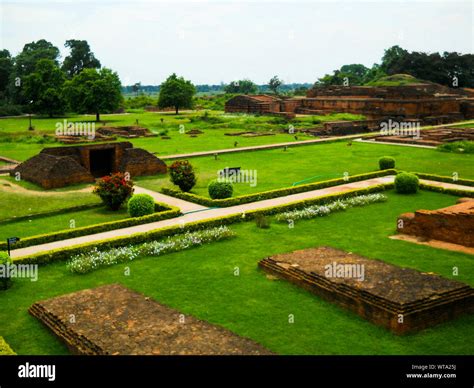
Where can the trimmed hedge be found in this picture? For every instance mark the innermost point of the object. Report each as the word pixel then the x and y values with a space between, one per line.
pixel 220 190
pixel 5 281
pixel 5 349
pixel 442 190
pixel 386 163
pixel 273 193
pixel 162 212
pixel 446 179
pixel 66 253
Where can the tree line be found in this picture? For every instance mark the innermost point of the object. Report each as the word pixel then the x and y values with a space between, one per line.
pixel 450 69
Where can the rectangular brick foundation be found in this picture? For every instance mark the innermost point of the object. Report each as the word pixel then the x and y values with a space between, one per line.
pixel 114 320
pixel 402 300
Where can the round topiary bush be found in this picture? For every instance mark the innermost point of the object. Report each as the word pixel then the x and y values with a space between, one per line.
pixel 141 205
pixel 220 189
pixel 5 281
pixel 182 175
pixel 386 162
pixel 406 183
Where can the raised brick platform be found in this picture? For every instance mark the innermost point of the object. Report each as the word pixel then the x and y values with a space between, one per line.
pixel 114 320
pixel 400 299
pixel 453 224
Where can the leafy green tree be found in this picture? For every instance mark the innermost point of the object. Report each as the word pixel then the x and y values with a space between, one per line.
pixel 94 91
pixel 6 69
pixel 244 86
pixel 25 64
pixel 176 92
pixel 44 87
pixel 391 57
pixel 80 57
pixel 274 84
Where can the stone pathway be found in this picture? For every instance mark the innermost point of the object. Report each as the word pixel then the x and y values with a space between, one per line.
pixel 200 213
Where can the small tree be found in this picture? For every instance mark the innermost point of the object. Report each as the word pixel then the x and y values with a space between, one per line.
pixel 274 84
pixel 114 190
pixel 176 92
pixel 182 175
pixel 94 91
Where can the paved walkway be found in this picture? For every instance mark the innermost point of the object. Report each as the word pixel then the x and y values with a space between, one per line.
pixel 199 213
pixel 394 144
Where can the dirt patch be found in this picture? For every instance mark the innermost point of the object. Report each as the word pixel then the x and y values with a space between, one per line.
pixel 114 320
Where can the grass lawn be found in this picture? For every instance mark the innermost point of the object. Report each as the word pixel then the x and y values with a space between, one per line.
pixel 18 143
pixel 21 203
pixel 201 282
pixel 59 222
pixel 277 168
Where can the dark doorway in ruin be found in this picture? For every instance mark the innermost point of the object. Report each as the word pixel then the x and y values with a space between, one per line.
pixel 101 162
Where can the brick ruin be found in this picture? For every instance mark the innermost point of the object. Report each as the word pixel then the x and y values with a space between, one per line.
pixel 430 103
pixel 114 320
pixel 453 224
pixel 61 166
pixel 402 300
pixel 106 133
pixel 431 137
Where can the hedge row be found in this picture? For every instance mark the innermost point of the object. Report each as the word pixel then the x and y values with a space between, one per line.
pixel 273 193
pixel 52 213
pixel 446 179
pixel 138 238
pixel 163 212
pixel 5 349
pixel 456 192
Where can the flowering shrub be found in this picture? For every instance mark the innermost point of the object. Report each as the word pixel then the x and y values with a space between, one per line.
pixel 182 175
pixel 324 210
pixel 114 190
pixel 94 259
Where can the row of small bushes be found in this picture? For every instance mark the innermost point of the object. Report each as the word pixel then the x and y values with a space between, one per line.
pixel 162 212
pixel 273 193
pixel 5 349
pixel 138 238
pixel 89 261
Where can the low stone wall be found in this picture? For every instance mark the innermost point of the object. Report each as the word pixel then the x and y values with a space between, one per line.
pixel 454 224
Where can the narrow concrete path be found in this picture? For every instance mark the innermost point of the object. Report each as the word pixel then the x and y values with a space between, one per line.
pixel 394 144
pixel 204 214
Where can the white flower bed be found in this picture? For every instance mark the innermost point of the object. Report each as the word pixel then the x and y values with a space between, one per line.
pixel 324 210
pixel 90 261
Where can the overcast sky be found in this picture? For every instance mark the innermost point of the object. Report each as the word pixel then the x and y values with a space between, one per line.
pixel 220 41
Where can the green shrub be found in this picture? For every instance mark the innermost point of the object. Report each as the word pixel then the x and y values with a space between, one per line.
pixel 5 281
pixel 114 190
pixel 182 175
pixel 386 162
pixel 458 147
pixel 406 183
pixel 220 189
pixel 141 205
pixel 262 221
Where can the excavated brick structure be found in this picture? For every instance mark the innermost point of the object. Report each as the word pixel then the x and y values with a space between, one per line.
pixel 61 166
pixel 453 224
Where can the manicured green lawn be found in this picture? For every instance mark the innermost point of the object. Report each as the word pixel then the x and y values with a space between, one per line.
pixel 16 204
pixel 59 222
pixel 201 282
pixel 278 168
pixel 16 141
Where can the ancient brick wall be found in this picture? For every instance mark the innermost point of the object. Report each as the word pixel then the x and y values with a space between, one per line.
pixel 454 224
